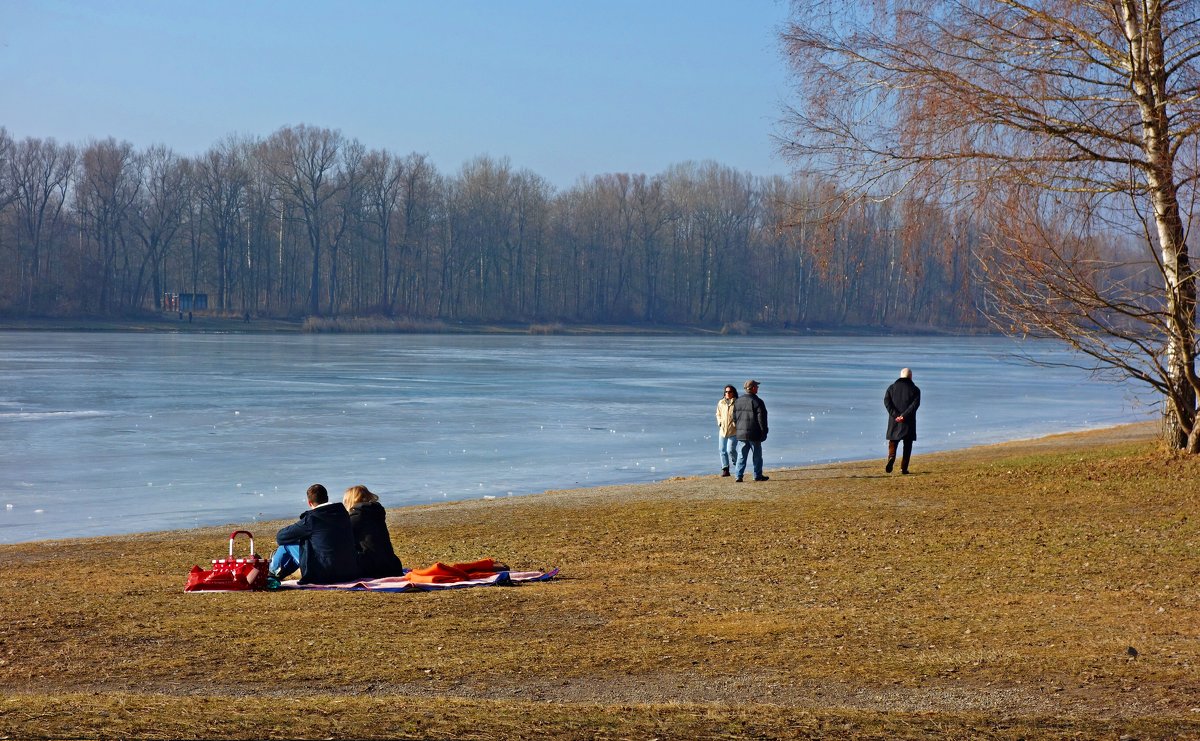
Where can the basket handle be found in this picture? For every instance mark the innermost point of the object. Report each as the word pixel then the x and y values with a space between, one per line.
pixel 236 533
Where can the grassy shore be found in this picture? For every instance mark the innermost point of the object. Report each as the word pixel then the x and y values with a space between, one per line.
pixel 1039 589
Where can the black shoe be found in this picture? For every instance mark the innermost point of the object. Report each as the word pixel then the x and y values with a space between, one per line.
pixel 738 480
pixel 725 471
pixel 762 478
pixel 904 471
pixel 891 462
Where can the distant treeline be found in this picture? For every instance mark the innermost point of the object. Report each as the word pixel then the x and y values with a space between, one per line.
pixel 307 222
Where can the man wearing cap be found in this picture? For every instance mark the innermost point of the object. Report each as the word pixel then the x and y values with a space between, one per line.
pixel 901 401
pixel 750 417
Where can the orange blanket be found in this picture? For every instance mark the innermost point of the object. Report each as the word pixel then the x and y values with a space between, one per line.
pixel 446 573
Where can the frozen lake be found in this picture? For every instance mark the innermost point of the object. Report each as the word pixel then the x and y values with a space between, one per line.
pixel 104 433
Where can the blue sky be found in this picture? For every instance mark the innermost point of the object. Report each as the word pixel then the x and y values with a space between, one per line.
pixel 567 89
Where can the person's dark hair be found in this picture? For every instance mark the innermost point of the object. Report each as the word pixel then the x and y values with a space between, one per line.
pixel 731 388
pixel 317 494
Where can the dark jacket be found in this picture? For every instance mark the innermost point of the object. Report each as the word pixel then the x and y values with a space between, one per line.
pixel 326 540
pixel 750 416
pixel 375 555
pixel 901 400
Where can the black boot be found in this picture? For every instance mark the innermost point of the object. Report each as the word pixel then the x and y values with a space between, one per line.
pixel 725 471
pixel 891 462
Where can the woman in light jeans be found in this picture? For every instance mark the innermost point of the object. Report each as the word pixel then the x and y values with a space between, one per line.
pixel 727 432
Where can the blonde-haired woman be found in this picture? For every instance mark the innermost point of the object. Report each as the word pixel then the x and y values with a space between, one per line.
pixel 375 555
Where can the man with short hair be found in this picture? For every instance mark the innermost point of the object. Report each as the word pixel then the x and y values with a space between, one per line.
pixel 750 418
pixel 901 401
pixel 321 544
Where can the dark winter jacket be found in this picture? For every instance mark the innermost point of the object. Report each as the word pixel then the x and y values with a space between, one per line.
pixel 901 400
pixel 375 555
pixel 750 416
pixel 326 540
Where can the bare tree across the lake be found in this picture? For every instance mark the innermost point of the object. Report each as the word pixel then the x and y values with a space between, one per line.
pixel 1064 132
pixel 305 162
pixel 40 176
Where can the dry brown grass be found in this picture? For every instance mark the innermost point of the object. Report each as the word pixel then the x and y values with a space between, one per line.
pixel 995 593
pixel 371 325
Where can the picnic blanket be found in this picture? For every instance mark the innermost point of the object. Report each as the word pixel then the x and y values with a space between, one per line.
pixel 486 572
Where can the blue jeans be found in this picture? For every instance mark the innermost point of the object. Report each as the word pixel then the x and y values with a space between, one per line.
pixel 748 448
pixel 285 560
pixel 728 448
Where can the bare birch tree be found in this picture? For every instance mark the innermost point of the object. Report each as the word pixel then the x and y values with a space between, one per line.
pixel 1061 125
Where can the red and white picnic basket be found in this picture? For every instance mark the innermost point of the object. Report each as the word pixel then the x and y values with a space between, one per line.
pixel 231 574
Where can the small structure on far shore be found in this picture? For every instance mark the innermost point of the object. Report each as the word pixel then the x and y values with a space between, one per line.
pixel 185 302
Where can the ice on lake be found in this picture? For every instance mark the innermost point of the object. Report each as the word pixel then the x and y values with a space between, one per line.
pixel 106 433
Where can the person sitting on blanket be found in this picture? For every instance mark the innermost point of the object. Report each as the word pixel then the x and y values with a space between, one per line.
pixel 321 544
pixel 375 555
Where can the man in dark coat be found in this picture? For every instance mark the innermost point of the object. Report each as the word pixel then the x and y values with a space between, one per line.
pixel 321 544
pixel 750 417
pixel 901 401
